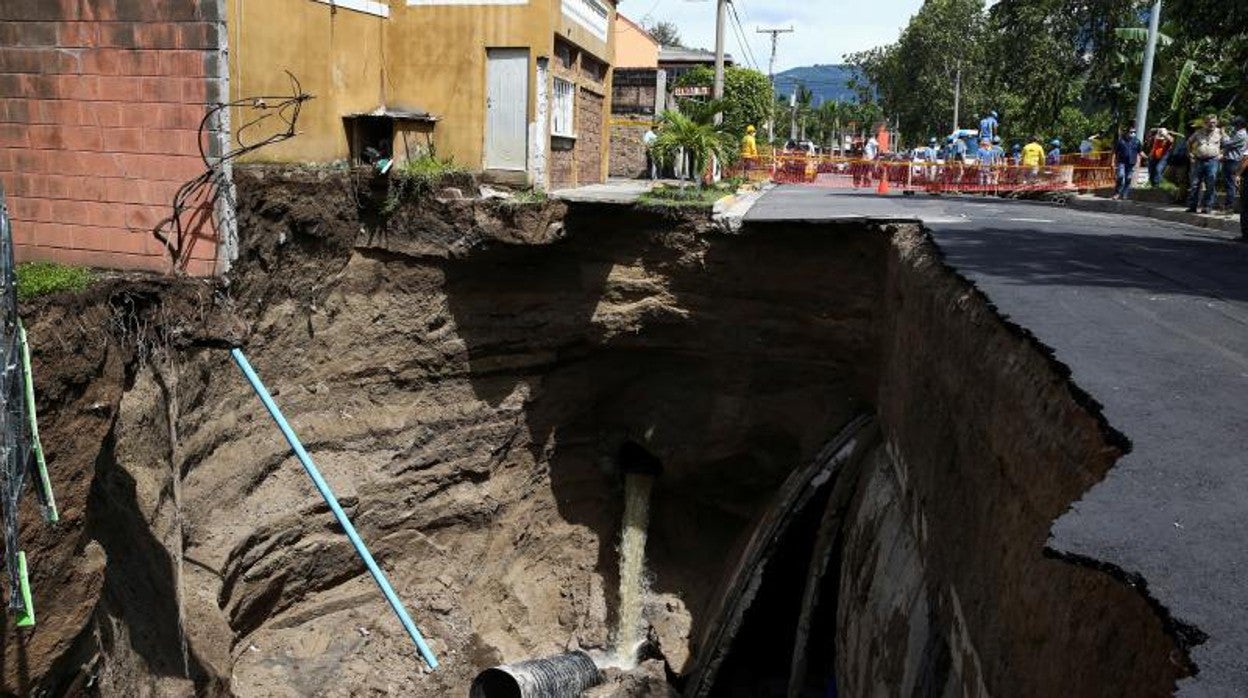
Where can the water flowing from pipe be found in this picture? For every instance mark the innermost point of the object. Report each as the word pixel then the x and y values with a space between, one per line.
pixel 628 636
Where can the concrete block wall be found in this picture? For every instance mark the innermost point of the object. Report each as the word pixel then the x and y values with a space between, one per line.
pixel 100 105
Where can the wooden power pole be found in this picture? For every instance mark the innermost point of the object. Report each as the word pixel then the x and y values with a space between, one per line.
pixel 771 74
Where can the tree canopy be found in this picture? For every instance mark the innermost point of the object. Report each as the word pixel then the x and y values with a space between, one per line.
pixel 666 34
pixel 747 95
pixel 1056 68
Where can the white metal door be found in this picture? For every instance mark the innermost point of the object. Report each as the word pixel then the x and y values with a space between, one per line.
pixel 506 106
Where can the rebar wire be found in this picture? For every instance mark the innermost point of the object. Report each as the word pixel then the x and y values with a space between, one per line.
pixel 176 233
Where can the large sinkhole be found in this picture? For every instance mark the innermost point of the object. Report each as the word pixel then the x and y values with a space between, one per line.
pixel 854 466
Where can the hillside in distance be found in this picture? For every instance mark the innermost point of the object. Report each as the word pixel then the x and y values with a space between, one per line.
pixel 827 82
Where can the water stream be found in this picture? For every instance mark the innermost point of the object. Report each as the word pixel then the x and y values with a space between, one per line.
pixel 628 636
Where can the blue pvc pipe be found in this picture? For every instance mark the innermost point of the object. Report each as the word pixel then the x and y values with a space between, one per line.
pixel 321 485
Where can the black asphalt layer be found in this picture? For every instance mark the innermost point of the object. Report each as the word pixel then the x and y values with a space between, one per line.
pixel 1152 319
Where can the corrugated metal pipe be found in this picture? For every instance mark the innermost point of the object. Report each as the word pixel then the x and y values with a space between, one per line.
pixel 562 676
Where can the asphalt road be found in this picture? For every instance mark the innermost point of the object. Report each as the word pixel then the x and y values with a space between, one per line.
pixel 1152 319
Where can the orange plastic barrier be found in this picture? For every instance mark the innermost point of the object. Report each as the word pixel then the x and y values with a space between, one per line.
pixel 1072 173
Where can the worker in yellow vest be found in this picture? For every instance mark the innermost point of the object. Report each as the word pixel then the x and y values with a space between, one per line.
pixel 749 148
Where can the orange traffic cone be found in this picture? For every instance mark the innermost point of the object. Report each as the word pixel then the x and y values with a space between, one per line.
pixel 883 188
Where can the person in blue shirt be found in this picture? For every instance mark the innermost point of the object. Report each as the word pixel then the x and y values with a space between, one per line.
pixel 1127 151
pixel 961 149
pixel 988 163
pixel 946 150
pixel 1016 155
pixel 1054 156
pixel 988 126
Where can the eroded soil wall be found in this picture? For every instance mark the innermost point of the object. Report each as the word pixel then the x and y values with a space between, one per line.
pixel 464 373
pixel 945 588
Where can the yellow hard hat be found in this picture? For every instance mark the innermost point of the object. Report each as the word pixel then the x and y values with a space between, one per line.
pixel 749 129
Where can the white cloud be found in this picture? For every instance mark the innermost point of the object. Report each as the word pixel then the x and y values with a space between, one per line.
pixel 824 31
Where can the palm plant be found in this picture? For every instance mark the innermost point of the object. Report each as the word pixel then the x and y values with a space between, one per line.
pixel 695 136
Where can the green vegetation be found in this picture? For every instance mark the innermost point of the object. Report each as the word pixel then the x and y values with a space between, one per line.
pixel 687 197
pixel 428 171
pixel 527 196
pixel 747 96
pixel 36 279
pixel 695 135
pixel 417 177
pixel 1057 68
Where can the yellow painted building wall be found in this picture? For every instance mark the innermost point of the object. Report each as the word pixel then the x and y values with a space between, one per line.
pixel 634 48
pixel 426 57
pixel 438 63
pixel 336 53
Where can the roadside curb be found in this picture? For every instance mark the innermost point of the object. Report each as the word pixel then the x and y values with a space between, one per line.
pixel 729 212
pixel 1172 214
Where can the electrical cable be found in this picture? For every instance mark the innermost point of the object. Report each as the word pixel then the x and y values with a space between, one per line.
pixel 178 236
pixel 743 34
pixel 746 50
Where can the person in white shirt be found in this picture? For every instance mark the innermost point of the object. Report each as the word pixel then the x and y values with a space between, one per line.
pixel 649 140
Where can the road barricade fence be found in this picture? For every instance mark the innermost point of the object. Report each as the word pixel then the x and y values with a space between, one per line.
pixel 1071 173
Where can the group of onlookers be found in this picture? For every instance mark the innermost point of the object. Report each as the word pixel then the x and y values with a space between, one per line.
pixel 1209 153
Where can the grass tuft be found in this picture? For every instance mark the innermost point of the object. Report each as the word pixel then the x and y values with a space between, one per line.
pixel 36 279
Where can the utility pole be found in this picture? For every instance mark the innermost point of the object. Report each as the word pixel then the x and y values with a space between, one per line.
pixel 771 75
pixel 957 96
pixel 793 115
pixel 721 13
pixel 1146 80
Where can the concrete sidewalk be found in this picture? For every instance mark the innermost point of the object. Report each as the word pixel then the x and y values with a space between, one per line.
pixel 613 191
pixel 1161 212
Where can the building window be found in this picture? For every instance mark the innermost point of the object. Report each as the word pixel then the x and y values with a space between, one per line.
pixel 563 53
pixel 562 108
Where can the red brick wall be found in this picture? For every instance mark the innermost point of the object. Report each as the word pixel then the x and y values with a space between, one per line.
pixel 100 102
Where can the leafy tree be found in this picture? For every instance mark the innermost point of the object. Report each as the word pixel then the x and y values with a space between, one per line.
pixel 666 34
pixel 1050 67
pixel 914 79
pixel 747 96
pixel 1213 34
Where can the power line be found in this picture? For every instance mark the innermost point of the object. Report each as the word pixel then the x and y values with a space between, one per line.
pixel 649 13
pixel 746 50
pixel 745 45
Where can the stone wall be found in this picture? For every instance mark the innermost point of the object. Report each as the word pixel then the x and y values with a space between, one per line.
pixel 589 121
pixel 628 151
pixel 578 161
pixel 100 105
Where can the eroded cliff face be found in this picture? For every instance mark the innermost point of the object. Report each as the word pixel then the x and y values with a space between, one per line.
pixel 464 374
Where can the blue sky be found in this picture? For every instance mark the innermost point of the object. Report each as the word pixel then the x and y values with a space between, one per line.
pixel 825 31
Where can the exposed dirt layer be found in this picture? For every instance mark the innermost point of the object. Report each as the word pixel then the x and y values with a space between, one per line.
pixel 465 372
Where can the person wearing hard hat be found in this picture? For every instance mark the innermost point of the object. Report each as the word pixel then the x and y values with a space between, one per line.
pixel 1033 158
pixel 749 147
pixel 1054 156
pixel 989 126
pixel 749 144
